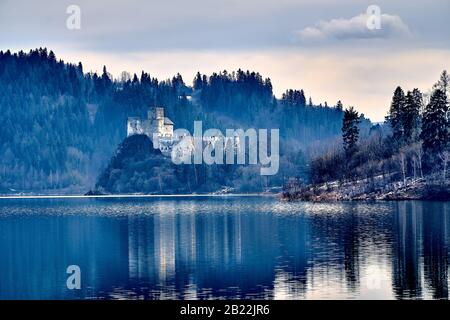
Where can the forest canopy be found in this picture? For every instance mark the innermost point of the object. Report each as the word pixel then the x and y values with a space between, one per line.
pixel 60 125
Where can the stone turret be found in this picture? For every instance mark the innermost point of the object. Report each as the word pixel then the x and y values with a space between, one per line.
pixel 157 127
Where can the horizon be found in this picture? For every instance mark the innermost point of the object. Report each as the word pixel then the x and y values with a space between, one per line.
pixel 188 81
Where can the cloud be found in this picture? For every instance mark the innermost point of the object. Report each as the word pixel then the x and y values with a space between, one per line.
pixel 355 28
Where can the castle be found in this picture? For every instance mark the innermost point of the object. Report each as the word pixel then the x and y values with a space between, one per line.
pixel 160 131
pixel 157 127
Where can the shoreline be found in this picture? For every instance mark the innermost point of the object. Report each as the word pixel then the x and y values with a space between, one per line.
pixel 368 200
pixel 138 196
pixel 423 189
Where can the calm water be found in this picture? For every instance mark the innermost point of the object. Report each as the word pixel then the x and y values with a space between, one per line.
pixel 239 247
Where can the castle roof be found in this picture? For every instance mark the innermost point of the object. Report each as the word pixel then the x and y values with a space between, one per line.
pixel 167 121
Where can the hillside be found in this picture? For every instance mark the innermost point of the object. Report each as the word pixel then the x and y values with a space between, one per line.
pixel 137 168
pixel 59 125
pixel 407 157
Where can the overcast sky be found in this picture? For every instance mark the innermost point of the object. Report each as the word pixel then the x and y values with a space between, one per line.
pixel 321 46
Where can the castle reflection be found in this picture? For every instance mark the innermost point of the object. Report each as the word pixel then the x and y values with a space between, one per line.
pixel 235 248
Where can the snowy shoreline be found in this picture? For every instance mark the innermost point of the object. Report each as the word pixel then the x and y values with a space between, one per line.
pixel 427 188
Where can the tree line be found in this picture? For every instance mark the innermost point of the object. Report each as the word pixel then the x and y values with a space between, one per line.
pixel 60 125
pixel 412 143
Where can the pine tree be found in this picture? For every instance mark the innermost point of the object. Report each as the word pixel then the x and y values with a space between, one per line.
pixel 294 98
pixel 410 116
pixel 435 125
pixel 395 117
pixel 444 83
pixel 105 75
pixel 80 68
pixel 205 80
pixel 339 106
pixel 350 130
pixel 198 83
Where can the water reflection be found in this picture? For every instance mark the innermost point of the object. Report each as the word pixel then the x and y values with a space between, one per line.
pixel 224 248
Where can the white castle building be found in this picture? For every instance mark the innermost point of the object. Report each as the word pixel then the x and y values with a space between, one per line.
pixel 157 127
pixel 160 131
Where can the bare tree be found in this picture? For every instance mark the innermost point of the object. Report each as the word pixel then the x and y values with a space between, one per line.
pixel 445 157
pixel 418 152
pixel 415 165
pixel 401 157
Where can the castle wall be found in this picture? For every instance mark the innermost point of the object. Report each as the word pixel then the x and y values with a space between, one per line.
pixel 134 126
pixel 166 131
pixel 155 124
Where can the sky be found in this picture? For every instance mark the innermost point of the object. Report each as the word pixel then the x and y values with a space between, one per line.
pixel 324 47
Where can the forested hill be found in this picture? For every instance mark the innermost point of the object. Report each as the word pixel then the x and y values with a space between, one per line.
pixel 60 125
pixel 407 158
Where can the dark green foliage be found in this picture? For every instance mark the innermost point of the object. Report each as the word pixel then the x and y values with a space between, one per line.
pixel 404 116
pixel 138 167
pixel 435 125
pixel 328 167
pixel 294 98
pixel 44 122
pixel 443 83
pixel 59 126
pixel 418 144
pixel 350 130
pixel 411 121
pixel 396 114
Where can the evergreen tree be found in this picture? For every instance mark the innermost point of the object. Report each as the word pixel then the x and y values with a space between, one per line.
pixel 411 116
pixel 58 125
pixel 105 75
pixel 350 130
pixel 435 125
pixel 444 83
pixel 198 82
pixel 395 117
pixel 294 98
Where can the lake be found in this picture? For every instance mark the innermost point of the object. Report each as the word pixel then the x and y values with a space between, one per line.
pixel 223 247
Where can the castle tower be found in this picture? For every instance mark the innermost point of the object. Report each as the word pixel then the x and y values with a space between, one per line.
pixel 157 127
pixel 156 119
pixel 134 126
pixel 155 113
